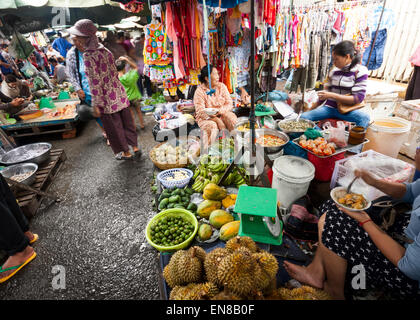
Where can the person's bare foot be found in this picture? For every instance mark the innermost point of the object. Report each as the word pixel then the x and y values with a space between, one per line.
pixel 29 235
pixel 16 260
pixel 303 275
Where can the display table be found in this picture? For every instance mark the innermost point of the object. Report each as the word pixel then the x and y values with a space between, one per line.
pixel 65 124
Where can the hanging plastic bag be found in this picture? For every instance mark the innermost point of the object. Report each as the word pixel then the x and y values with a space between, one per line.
pixel 336 135
pixel 20 48
pixel 28 69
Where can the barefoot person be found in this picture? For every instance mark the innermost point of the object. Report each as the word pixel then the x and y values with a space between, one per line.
pixel 15 237
pixel 391 262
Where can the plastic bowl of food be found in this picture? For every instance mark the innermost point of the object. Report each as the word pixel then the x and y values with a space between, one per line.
pixel 23 172
pixel 175 212
pixel 211 111
pixel 355 203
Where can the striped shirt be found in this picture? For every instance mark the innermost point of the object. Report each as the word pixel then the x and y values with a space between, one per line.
pixel 347 82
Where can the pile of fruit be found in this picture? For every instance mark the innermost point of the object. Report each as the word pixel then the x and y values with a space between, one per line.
pixel 171 231
pixel 239 271
pixel 211 169
pixel 210 209
pixel 176 198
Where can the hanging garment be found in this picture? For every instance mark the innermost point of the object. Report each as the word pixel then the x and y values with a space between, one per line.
pixel 154 40
pixel 377 55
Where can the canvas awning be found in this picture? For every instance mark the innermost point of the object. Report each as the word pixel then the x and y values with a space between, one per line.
pixel 43 14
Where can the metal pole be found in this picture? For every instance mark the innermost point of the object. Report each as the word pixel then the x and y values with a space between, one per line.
pixel 252 78
pixel 376 33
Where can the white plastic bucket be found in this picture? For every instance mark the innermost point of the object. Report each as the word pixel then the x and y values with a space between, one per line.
pixel 387 135
pixel 291 178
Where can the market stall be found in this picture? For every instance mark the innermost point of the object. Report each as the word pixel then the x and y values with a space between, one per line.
pixel 210 201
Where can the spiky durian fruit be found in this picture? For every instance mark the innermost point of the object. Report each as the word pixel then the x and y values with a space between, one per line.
pixel 183 268
pixel 200 253
pixel 237 272
pixel 266 271
pixel 194 291
pixel 302 293
pixel 211 264
pixel 239 242
pixel 226 295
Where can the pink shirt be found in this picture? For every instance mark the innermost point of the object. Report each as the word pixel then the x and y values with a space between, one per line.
pixel 415 58
pixel 108 94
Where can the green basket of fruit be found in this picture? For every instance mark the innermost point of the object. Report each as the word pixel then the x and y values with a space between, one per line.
pixel 172 229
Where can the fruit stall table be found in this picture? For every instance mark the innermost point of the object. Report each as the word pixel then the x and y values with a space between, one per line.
pixel 288 251
pixel 63 123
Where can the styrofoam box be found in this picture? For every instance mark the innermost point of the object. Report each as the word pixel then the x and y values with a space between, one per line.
pixel 340 171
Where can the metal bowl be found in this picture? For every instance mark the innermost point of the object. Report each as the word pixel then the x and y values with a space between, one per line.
pixel 261 132
pixel 42 93
pixel 34 152
pixel 21 168
pixel 280 122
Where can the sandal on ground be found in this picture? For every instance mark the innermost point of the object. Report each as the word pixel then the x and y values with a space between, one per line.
pixel 34 239
pixel 15 268
pixel 120 156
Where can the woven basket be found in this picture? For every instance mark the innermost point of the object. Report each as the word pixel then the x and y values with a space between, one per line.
pixel 166 166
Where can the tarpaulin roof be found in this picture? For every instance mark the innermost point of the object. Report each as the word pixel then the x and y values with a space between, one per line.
pixel 41 14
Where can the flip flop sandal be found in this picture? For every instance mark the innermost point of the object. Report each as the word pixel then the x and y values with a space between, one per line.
pixel 120 156
pixel 35 238
pixel 16 268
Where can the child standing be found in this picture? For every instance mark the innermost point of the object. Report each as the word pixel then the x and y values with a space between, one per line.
pixel 129 81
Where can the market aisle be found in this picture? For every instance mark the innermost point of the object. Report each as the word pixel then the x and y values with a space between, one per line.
pixel 96 233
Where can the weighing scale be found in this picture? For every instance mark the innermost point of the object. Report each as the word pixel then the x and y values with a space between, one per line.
pixel 257 208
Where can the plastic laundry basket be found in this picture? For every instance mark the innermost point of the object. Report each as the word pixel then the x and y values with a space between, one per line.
pixel 291 178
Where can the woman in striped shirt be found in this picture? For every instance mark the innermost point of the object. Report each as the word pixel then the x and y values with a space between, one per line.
pixel 346 85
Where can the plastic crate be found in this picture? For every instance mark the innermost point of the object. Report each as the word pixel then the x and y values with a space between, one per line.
pixel 340 171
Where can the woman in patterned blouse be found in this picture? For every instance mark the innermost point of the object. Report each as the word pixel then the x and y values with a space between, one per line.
pixel 109 98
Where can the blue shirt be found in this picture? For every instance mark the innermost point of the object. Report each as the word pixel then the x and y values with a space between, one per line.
pixel 61 45
pixel 84 79
pixel 410 262
pixel 5 70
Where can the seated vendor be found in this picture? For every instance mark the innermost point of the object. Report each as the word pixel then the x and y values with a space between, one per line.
pixel 11 106
pixel 14 88
pixel 60 74
pixel 390 260
pixel 346 85
pixel 220 99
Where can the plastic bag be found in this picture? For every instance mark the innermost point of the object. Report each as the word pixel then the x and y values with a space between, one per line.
pixel 379 165
pixel 337 135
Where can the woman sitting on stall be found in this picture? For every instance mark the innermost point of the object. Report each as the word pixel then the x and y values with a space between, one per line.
pixel 352 239
pixel 14 88
pixel 346 85
pixel 220 99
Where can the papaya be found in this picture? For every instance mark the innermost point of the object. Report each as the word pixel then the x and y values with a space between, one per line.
pixel 207 206
pixel 229 201
pixel 229 230
pixel 205 232
pixel 218 218
pixel 213 192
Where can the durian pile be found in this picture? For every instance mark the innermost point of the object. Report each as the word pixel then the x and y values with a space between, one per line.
pixel 240 271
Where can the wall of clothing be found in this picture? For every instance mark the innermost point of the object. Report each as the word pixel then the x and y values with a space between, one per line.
pixel 298 38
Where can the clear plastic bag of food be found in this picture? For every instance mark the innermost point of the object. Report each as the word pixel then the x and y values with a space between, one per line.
pixel 337 135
